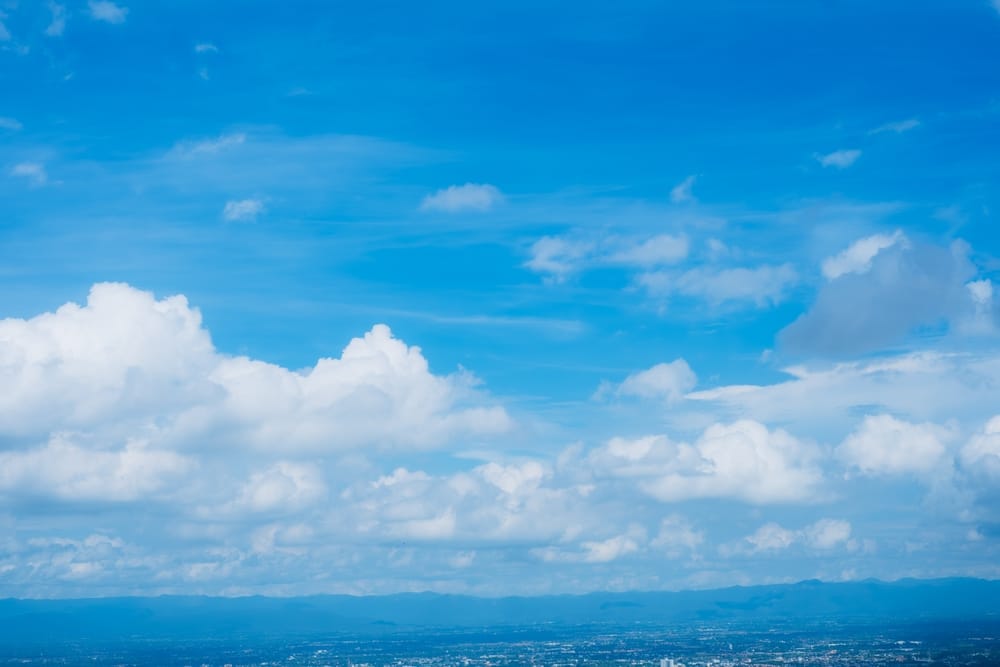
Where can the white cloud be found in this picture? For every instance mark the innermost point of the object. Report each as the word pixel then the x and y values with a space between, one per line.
pixel 468 197
pixel 206 47
pixel 193 149
pixel 654 251
pixel 742 460
pixel 283 487
pixel 126 364
pixel 513 479
pixel 857 258
pixel 898 126
pixel 840 159
pixel 557 256
pixel 884 445
pixel 908 286
pixel 64 470
pixel 605 551
pixel 34 172
pixel 107 11
pixel 677 537
pixel 981 454
pixel 666 381
pixel 681 193
pixel 823 401
pixel 243 210
pixel 762 285
pixel 823 535
pixel 771 537
pixel 828 533
pixel 11 124
pixel 981 291
pixel 58 24
pixel 4 33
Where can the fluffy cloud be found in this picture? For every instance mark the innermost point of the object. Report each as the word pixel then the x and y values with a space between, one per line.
pixel 107 11
pixel 557 257
pixel 283 487
pixel 206 47
pixel 884 445
pixel 128 365
pixel 907 286
pixel 667 381
pixel 981 454
pixel 243 210
pixel 67 471
pixel 857 258
pixel 458 198
pixel 823 535
pixel 743 461
pixel 839 159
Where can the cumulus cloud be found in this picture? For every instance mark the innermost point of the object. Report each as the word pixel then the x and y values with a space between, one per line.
pixel 33 172
pixel 206 47
pixel 762 285
pixel 822 535
pixel 126 363
pixel 906 286
pixel 107 11
pixel 666 381
pixel 242 210
pixel 67 471
pixel 458 198
pixel 857 258
pixel 742 460
pixel 285 486
pixel 884 445
pixel 682 192
pixel 57 26
pixel 841 159
pixel 981 454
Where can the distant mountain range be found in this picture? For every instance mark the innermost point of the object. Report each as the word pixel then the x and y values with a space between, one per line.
pixel 171 617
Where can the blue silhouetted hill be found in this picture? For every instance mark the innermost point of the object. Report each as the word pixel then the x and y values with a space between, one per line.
pixel 172 617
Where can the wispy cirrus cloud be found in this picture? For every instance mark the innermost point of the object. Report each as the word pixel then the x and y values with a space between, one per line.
pixel 897 127
pixel 682 192
pixel 840 159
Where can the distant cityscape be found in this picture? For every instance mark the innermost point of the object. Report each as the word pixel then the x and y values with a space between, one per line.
pixel 829 645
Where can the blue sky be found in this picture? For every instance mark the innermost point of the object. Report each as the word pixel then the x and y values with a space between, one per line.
pixel 491 298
